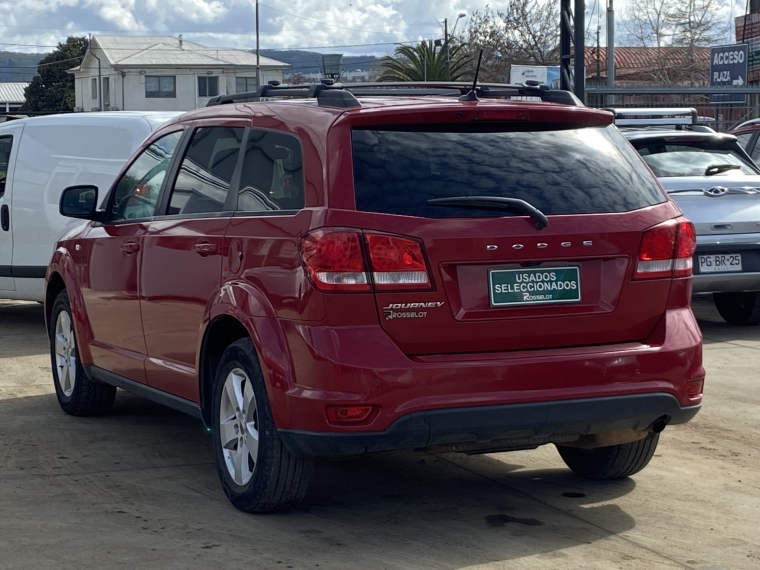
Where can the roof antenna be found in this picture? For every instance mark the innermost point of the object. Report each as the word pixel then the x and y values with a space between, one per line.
pixel 473 94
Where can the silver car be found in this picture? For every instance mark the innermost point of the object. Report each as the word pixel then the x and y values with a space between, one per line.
pixel 717 186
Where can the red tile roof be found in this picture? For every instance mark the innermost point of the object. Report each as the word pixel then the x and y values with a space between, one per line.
pixel 632 59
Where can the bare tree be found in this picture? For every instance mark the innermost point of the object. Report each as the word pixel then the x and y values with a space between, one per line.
pixel 523 32
pixel 674 30
pixel 697 23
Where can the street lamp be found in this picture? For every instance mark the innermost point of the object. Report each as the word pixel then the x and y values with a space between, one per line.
pixel 446 41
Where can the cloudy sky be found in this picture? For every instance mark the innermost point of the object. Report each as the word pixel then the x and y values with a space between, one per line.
pixel 348 26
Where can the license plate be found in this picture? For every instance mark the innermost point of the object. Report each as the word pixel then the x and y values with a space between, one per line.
pixel 720 263
pixel 534 286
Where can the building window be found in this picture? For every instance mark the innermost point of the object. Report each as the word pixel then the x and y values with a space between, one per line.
pixel 106 91
pixel 94 87
pixel 245 85
pixel 160 86
pixel 208 86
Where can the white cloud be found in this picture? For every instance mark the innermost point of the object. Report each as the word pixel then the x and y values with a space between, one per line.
pixel 284 23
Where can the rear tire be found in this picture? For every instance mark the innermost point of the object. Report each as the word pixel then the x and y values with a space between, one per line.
pixel 77 394
pixel 613 462
pixel 256 471
pixel 741 309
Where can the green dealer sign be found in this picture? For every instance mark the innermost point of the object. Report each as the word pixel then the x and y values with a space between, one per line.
pixel 532 286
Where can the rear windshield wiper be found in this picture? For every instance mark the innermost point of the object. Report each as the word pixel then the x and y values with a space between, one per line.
pixel 714 169
pixel 514 205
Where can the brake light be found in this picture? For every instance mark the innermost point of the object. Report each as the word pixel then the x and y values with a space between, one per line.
pixel 685 248
pixel 666 250
pixel 334 260
pixel 397 262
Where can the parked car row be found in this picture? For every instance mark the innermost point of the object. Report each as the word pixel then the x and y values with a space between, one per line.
pixel 328 272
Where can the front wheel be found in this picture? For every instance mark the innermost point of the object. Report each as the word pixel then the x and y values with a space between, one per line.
pixel 611 462
pixel 740 309
pixel 257 473
pixel 77 394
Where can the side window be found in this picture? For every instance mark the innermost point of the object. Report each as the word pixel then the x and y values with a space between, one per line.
pixel 137 192
pixel 5 155
pixel 272 176
pixel 206 172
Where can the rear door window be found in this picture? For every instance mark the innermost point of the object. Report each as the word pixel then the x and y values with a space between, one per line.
pixel 572 171
pixel 206 172
pixel 272 175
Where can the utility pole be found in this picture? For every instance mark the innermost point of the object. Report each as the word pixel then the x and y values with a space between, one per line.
pixel 258 50
pixel 598 48
pixel 446 45
pixel 610 51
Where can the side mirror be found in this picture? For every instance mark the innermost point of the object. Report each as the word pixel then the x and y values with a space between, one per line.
pixel 79 202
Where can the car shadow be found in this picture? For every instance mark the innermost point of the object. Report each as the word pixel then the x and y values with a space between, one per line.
pixel 400 509
pixel 22 329
pixel 715 330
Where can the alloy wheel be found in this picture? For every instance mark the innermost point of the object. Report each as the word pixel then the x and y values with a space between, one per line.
pixel 65 353
pixel 239 426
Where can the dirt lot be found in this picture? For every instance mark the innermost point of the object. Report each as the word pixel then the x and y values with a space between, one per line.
pixel 137 489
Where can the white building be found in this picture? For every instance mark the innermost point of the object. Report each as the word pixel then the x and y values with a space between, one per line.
pixel 163 73
pixel 12 97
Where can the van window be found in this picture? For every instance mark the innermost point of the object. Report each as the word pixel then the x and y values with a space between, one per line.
pixel 205 175
pixel 5 155
pixel 272 176
pixel 559 171
pixel 137 191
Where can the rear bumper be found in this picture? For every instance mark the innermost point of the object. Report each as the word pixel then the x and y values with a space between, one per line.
pixel 507 426
pixel 726 282
pixel 361 365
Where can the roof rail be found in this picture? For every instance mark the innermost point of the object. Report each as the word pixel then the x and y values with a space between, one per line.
pixel 668 116
pixel 456 88
pixel 330 94
pixel 327 94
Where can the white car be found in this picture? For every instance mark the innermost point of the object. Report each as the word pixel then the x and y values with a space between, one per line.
pixel 717 186
pixel 41 156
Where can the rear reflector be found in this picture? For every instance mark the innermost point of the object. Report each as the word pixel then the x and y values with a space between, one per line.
pixel 397 262
pixel 334 260
pixel 348 414
pixel 694 388
pixel 666 250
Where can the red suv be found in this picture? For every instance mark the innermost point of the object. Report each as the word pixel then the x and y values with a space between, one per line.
pixel 341 273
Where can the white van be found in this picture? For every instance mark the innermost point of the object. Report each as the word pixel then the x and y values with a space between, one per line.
pixel 41 156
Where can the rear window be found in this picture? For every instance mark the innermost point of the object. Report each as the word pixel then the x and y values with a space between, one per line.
pixel 693 159
pixel 574 171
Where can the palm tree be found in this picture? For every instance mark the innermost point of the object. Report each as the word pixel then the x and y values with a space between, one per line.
pixel 423 63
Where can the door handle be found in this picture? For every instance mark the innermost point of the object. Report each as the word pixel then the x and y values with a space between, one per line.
pixel 204 249
pixel 5 218
pixel 130 247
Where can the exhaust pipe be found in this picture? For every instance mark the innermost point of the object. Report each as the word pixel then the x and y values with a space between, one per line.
pixel 659 425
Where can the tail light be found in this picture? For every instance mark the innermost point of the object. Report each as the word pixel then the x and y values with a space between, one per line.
pixel 397 262
pixel 666 250
pixel 335 261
